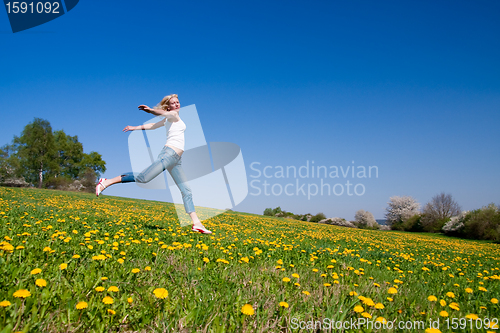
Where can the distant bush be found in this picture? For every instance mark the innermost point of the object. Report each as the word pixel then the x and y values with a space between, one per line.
pixel 365 220
pixel 438 211
pixel 318 217
pixel 456 225
pixel 483 223
pixel 413 224
pixel 399 210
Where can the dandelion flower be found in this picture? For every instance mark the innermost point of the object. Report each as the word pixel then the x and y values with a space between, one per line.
pixel 36 271
pixel 75 256
pixel 63 266
pixel 81 305
pixel 285 279
pixel 247 309
pixel 284 304
pixel 306 292
pixel 450 294
pixel 392 291
pixel 135 270
pixel 358 309
pixel 432 298
pixel 379 306
pixel 295 275
pixel 5 303
pixel 353 293
pixel 382 320
pixel 161 293
pixel 113 289
pixel 469 290
pixel 494 301
pixel 147 268
pixel 130 300
pixel 107 300
pixel 206 260
pixel 472 316
pixel 366 315
pixel 22 293
pixel 41 282
pixel 442 302
pixel 443 314
pixel 99 289
pixel 432 330
pixel 327 284
pixel 111 312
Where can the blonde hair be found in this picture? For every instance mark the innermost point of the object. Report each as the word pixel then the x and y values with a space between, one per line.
pixel 164 102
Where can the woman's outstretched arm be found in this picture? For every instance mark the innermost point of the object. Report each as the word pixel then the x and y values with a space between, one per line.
pixel 149 126
pixel 157 112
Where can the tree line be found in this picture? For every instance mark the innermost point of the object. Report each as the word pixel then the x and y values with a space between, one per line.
pixel 442 214
pixel 49 159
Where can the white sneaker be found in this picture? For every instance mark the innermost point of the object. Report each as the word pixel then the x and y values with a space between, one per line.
pixel 100 186
pixel 201 229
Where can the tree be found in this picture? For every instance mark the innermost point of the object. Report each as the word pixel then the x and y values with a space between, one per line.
pixel 318 217
pixel 36 150
pixel 438 211
pixel 400 209
pixel 9 165
pixel 365 219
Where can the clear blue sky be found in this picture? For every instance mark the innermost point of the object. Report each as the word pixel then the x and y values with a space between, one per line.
pixel 411 87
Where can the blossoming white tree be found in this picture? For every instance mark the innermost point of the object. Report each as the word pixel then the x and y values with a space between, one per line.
pixel 400 209
pixel 365 219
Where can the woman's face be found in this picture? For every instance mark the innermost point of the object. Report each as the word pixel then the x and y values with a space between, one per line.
pixel 173 104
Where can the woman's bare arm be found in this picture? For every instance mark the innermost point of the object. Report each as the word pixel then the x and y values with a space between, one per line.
pixel 149 126
pixel 157 112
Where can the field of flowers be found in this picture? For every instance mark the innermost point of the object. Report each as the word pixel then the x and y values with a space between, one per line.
pixel 70 262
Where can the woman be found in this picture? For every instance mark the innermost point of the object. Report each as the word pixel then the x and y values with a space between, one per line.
pixel 169 158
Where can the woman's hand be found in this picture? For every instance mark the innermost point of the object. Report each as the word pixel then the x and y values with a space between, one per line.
pixel 129 128
pixel 149 110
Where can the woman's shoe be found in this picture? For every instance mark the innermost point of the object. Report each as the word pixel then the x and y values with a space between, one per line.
pixel 100 186
pixel 201 229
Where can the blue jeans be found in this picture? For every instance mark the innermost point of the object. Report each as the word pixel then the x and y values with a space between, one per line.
pixel 169 160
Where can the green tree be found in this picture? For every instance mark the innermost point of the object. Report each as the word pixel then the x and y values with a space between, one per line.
pixel 37 152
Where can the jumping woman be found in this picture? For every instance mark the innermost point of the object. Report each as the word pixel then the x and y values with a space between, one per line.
pixel 168 159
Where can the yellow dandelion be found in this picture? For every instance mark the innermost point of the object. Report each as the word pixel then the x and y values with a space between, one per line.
pixel 104 278
pixel 285 279
pixel 247 309
pixel 450 294
pixel 107 300
pixel 111 312
pixel 296 284
pixel 147 268
pixel 75 256
pixel 494 301
pixel 392 291
pixel 353 293
pixel 390 299
pixel 22 293
pixel 113 289
pixel 358 309
pixel 379 306
pixel 305 292
pixel 472 316
pixel 284 304
pixel 295 275
pixel 443 314
pixel 206 260
pixel 135 270
pixel 36 271
pixel 366 315
pixel 432 298
pixel 326 284
pixel 469 290
pixel 130 300
pixel 41 282
pixel 442 302
pixel 382 320
pixel 99 289
pixel 63 266
pixel 5 303
pixel 81 305
pixel 432 330
pixel 161 293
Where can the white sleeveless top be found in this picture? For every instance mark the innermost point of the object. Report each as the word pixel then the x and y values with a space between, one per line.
pixel 175 133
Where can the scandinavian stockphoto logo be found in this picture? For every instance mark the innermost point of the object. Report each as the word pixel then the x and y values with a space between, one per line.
pixel 215 172
pixel 28 14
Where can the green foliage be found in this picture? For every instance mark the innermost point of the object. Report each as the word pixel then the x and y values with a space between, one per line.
pixel 49 159
pixel 318 217
pixel 268 212
pixel 483 223
pixel 413 224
